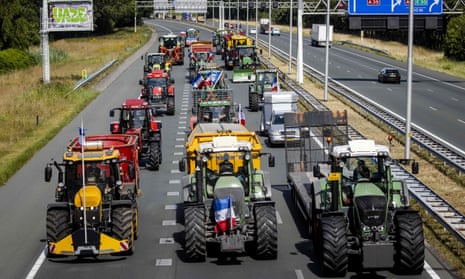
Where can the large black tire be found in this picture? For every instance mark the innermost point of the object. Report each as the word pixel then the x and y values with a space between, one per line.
pixel 195 233
pixel 266 232
pixel 333 236
pixel 153 162
pixel 170 105
pixel 123 226
pixel 410 246
pixel 57 226
pixel 254 102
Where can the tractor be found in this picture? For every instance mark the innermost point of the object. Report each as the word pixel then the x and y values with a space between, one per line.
pixel 227 197
pixel 171 46
pixel 138 118
pixel 357 212
pixel 95 210
pixel 155 61
pixel 266 80
pixel 158 91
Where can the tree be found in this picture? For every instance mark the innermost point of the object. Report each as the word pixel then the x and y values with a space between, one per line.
pixel 454 46
pixel 19 24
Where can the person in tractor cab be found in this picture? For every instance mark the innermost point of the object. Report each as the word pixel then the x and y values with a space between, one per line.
pixel 226 167
pixel 362 171
pixel 95 175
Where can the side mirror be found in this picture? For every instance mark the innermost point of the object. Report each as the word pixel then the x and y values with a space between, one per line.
pixel 112 113
pixel 172 80
pixel 48 173
pixel 131 171
pixel 141 82
pixel 182 165
pixel 316 171
pixel 271 161
pixel 141 57
pixel 415 167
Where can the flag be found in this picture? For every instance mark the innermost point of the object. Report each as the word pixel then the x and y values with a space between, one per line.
pixel 241 115
pixel 211 56
pixel 224 214
pixel 274 86
pixel 82 135
pixel 197 80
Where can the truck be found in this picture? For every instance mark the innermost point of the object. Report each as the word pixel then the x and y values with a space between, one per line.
pixel 227 197
pixel 266 80
pixel 95 210
pixel 158 90
pixel 318 35
pixel 265 26
pixel 275 105
pixel 357 213
pixel 136 117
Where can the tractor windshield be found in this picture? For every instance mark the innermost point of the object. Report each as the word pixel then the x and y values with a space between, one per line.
pixel 95 173
pixel 156 59
pixel 156 82
pixel 170 43
pixel 362 168
pixel 244 52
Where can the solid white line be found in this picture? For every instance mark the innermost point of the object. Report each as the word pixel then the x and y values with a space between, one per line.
pixel 431 272
pixel 278 218
pixel 299 274
pixel 35 268
pixel 461 121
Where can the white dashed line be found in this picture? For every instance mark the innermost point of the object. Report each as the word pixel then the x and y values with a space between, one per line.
pixel 168 223
pixel 171 207
pixel 172 194
pixel 174 181
pixel 166 240
pixel 164 262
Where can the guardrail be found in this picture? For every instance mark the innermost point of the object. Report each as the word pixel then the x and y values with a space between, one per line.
pixel 452 220
pixel 83 82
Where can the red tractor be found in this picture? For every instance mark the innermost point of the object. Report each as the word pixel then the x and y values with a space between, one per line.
pixel 136 117
pixel 171 46
pixel 158 91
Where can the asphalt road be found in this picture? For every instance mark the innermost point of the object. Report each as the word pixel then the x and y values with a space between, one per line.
pixel 437 99
pixel 159 252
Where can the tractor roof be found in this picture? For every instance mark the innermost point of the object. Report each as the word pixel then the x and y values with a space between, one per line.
pixel 360 148
pixel 135 103
pixel 157 73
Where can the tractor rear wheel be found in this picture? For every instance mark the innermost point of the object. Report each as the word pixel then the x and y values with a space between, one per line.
pixel 170 105
pixel 123 226
pixel 410 247
pixel 266 232
pixel 154 160
pixel 195 233
pixel 254 100
pixel 333 236
pixel 58 225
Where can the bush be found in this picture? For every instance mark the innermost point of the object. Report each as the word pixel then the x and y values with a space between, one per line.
pixel 454 46
pixel 14 59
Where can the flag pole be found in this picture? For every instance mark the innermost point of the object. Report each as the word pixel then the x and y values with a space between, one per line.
pixel 82 141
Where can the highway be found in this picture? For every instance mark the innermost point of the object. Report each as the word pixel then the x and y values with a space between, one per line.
pixel 437 99
pixel 159 252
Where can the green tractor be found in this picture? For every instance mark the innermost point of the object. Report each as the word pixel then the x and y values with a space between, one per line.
pixel 358 213
pixel 227 197
pixel 266 80
pixel 248 61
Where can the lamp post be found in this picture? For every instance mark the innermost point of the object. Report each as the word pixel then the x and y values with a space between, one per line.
pixel 290 40
pixel 269 30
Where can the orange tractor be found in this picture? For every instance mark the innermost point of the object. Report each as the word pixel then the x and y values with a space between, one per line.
pixel 171 46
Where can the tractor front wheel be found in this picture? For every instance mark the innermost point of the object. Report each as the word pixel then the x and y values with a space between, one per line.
pixel 195 233
pixel 266 232
pixel 254 102
pixel 170 105
pixel 333 236
pixel 410 246
pixel 154 160
pixel 123 226
pixel 58 226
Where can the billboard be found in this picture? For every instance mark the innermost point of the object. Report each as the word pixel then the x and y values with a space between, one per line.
pixel 394 7
pixel 70 15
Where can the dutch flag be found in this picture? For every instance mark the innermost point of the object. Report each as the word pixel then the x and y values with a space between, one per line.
pixel 241 115
pixel 224 215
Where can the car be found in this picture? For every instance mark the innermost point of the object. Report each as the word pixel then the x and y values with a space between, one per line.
pixel 253 31
pixel 275 31
pixel 389 75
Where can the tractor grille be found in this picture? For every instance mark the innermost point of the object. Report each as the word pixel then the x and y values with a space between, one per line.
pixel 371 209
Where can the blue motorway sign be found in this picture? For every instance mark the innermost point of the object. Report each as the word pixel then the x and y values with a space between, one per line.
pixel 394 7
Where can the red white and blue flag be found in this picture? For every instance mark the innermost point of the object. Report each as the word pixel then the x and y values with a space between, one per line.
pixel 274 86
pixel 224 215
pixel 82 135
pixel 241 116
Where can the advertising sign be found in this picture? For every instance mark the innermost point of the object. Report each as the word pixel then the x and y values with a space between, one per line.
pixel 70 16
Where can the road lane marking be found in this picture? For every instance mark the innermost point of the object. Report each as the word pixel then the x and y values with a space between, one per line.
pixel 299 274
pixel 168 223
pixel 166 240
pixel 36 266
pixel 172 194
pixel 164 262
pixel 174 181
pixel 171 207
